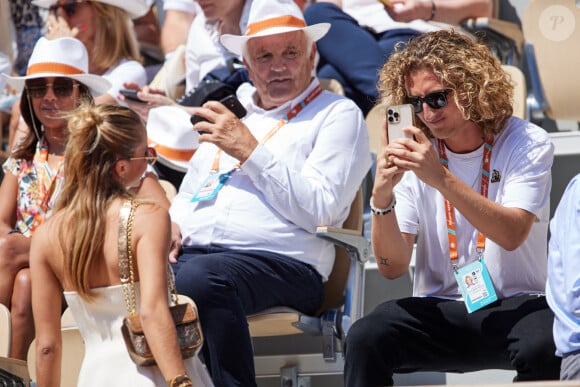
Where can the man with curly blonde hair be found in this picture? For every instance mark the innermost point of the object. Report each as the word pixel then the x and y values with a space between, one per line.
pixel 472 187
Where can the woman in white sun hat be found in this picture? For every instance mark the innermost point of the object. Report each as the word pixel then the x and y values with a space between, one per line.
pixel 56 81
pixel 106 30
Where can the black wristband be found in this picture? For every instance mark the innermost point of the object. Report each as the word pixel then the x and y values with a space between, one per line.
pixel 433 9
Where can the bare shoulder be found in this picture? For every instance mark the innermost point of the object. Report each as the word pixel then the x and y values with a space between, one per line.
pixel 151 217
pixel 45 239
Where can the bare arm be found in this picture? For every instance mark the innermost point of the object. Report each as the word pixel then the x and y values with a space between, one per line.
pixel 175 29
pixel 46 306
pixel 9 195
pixel 508 227
pixel 447 11
pixel 152 248
pixel 392 248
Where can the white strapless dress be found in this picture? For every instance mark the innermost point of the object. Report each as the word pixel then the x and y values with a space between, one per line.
pixel 106 361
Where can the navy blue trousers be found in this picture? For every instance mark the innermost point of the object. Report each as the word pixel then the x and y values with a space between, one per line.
pixel 352 54
pixel 228 285
pixel 432 334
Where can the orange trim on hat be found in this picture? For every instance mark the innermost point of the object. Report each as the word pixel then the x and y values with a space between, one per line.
pixel 172 153
pixel 53 67
pixel 282 21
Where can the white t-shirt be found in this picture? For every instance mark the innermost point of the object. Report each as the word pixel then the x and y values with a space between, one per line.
pixel 306 175
pixel 522 155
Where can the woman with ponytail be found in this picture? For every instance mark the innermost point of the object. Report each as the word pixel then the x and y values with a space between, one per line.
pixel 77 251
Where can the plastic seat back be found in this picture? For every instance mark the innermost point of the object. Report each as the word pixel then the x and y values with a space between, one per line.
pixel 552 35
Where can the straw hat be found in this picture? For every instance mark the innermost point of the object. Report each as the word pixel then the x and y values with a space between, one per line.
pixel 171 133
pixel 270 18
pixel 63 57
pixel 134 8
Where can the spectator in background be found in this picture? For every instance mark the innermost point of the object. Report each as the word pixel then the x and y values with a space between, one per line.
pixel 563 280
pixel 178 16
pixel 28 27
pixel 368 31
pixel 56 82
pixel 106 30
pixel 204 55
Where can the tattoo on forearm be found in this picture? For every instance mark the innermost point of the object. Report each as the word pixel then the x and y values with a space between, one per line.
pixel 383 261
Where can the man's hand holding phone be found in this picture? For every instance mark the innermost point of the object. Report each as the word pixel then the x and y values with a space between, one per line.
pixel 231 102
pixel 222 129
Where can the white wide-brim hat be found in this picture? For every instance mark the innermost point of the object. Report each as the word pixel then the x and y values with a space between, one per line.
pixel 270 18
pixel 171 133
pixel 134 8
pixel 62 57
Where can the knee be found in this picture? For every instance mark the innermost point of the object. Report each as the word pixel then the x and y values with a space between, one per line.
pixel 536 352
pixel 369 333
pixel 6 258
pixel 202 279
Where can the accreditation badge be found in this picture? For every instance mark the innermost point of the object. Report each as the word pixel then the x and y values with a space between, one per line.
pixel 475 285
pixel 211 186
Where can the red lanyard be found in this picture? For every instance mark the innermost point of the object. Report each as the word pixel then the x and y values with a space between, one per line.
pixel 44 191
pixel 450 211
pixel 283 121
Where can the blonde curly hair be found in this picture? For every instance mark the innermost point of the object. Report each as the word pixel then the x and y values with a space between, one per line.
pixel 481 89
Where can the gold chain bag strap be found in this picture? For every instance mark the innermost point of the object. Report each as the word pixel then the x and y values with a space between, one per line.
pixel 184 315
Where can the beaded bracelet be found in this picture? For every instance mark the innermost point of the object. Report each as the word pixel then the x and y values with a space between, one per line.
pixel 383 211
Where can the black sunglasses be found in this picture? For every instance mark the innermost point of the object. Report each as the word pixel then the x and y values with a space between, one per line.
pixel 435 100
pixel 70 7
pixel 61 87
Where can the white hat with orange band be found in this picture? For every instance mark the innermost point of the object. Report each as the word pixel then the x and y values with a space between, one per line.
pixel 62 57
pixel 270 18
pixel 170 132
pixel 134 8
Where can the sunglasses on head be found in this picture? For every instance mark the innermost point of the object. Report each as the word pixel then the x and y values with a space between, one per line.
pixel 435 100
pixel 69 8
pixel 61 87
pixel 151 156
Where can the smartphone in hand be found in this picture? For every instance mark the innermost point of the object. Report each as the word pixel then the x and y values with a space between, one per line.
pixel 131 94
pixel 231 102
pixel 399 117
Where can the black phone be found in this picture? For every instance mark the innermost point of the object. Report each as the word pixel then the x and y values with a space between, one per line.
pixel 131 94
pixel 231 102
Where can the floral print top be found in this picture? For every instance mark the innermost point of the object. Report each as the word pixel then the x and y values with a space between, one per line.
pixel 39 186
